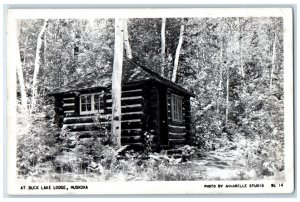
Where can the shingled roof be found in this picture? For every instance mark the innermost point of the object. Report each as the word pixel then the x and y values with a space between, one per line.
pixel 132 72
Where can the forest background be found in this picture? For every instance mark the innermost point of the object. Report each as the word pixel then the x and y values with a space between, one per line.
pixel 233 65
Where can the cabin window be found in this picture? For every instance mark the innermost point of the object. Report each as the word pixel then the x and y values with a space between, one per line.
pixel 176 108
pixel 90 103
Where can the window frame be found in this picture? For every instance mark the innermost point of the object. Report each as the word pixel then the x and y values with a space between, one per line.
pixel 93 110
pixel 174 103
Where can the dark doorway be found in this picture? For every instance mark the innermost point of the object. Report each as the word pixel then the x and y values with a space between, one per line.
pixel 163 117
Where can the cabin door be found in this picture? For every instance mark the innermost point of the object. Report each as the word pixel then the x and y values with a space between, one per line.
pixel 163 117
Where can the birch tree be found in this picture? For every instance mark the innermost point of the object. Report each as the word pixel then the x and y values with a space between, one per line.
pixel 227 96
pixel 240 46
pixel 220 74
pixel 126 41
pixel 20 70
pixel 37 65
pixel 163 45
pixel 116 82
pixel 174 74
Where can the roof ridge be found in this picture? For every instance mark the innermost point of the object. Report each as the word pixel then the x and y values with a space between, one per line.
pixel 135 63
pixel 104 79
pixel 159 78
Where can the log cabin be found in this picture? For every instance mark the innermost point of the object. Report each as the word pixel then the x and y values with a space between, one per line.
pixel 150 104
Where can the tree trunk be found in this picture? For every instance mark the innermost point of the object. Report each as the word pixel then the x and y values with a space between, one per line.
pixel 20 71
pixel 37 65
pixel 116 82
pixel 227 96
pixel 126 41
pixel 240 49
pixel 220 76
pixel 163 46
pixel 174 74
pixel 273 60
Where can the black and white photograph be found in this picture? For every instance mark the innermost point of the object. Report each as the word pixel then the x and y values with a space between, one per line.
pixel 139 97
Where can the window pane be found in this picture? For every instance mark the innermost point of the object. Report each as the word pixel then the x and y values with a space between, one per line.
pixel 179 109
pixel 83 99
pixel 96 98
pixel 176 108
pixel 83 107
pixel 88 106
pixel 97 106
pixel 88 99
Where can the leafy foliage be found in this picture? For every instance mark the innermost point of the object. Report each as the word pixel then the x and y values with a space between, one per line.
pixel 233 65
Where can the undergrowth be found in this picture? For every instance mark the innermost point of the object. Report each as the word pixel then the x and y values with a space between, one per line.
pixel 45 153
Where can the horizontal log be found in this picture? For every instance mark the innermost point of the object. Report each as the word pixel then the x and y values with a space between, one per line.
pixel 177 135
pixel 128 108
pixel 176 123
pixel 131 93
pixel 85 126
pixel 131 125
pixel 176 129
pixel 129 88
pixel 69 107
pixel 72 100
pixel 131 139
pixel 69 98
pixel 128 102
pixel 69 113
pixel 131 132
pixel 92 113
pixel 132 115
pixel 82 128
pixel 134 146
pixel 177 141
pixel 86 119
pixel 95 126
pixel 69 104
pixel 126 98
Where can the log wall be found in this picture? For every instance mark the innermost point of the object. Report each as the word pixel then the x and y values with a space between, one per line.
pixel 132 102
pixel 140 114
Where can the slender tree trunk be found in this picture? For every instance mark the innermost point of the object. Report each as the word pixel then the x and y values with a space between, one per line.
pixel 20 71
pixel 220 76
pixel 273 60
pixel 240 49
pixel 24 53
pixel 45 48
pixel 163 46
pixel 174 74
pixel 37 65
pixel 126 41
pixel 227 97
pixel 116 82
